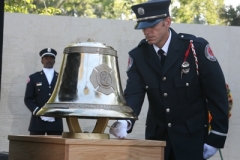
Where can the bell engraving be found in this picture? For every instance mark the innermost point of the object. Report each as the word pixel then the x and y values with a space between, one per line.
pixel 103 80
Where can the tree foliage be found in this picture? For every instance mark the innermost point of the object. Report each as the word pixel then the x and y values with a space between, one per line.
pixel 231 15
pixel 182 11
pixel 18 6
pixel 197 11
pixel 114 9
pixel 30 6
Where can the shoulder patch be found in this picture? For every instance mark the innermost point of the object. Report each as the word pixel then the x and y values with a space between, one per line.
pixel 28 80
pixel 130 62
pixel 209 53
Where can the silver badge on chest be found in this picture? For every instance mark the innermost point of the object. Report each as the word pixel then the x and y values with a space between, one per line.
pixel 185 68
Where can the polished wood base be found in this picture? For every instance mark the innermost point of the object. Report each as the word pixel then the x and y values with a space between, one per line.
pixel 58 148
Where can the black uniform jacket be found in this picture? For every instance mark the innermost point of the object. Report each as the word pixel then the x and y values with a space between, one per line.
pixel 38 91
pixel 178 105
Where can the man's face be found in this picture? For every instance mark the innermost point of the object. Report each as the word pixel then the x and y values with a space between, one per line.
pixel 48 61
pixel 159 33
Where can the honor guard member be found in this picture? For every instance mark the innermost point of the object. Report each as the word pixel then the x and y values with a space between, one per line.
pixel 183 81
pixel 39 89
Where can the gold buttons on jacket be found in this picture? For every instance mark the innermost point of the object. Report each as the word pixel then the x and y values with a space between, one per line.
pixel 167 110
pixel 165 94
pixel 164 79
pixel 187 84
pixel 169 125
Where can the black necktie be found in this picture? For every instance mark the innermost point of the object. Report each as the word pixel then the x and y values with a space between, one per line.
pixel 161 54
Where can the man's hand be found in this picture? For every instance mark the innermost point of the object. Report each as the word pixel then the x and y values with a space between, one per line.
pixel 119 129
pixel 208 151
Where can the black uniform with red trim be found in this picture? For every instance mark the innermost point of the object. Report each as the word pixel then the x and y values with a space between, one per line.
pixel 179 102
pixel 38 91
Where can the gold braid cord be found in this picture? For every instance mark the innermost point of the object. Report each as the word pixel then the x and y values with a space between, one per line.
pixel 195 56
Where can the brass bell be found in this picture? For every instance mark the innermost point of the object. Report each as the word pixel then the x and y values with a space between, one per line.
pixel 88 87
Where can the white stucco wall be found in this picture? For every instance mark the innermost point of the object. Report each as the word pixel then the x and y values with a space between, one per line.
pixel 25 35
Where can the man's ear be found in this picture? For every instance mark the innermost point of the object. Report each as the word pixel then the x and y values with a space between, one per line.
pixel 168 21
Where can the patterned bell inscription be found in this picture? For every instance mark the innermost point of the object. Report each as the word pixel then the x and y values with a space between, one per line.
pixel 103 80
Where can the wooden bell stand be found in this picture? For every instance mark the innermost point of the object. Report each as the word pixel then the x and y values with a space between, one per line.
pixel 83 146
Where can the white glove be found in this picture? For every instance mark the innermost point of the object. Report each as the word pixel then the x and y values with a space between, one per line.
pixel 208 151
pixel 48 119
pixel 119 129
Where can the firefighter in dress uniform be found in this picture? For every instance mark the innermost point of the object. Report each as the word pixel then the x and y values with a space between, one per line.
pixel 183 81
pixel 39 88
